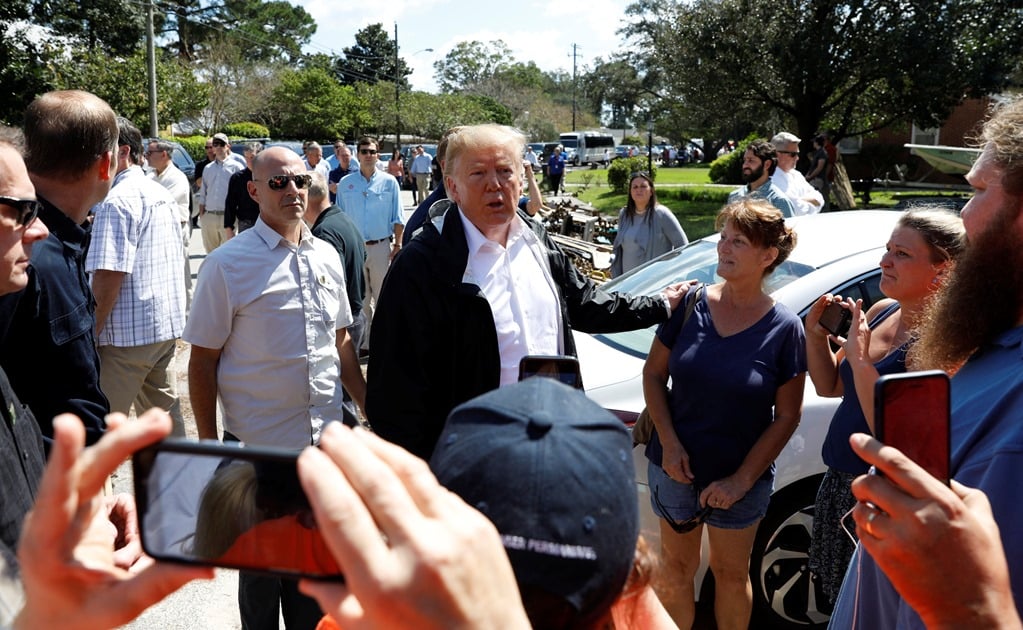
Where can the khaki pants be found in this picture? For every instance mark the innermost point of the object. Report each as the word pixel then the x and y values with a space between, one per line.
pixel 212 226
pixel 145 376
pixel 422 187
pixel 378 260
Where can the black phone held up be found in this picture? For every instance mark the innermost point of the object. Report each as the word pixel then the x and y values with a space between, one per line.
pixel 836 319
pixel 227 505
pixel 911 413
pixel 562 367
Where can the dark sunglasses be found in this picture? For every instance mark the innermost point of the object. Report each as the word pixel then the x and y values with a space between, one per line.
pixel 148 153
pixel 218 143
pixel 279 182
pixel 792 153
pixel 368 151
pixel 688 525
pixel 636 174
pixel 28 209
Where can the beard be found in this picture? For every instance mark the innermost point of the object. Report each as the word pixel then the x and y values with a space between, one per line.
pixel 981 299
pixel 753 175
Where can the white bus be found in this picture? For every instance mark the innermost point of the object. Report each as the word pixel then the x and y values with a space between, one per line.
pixel 589 146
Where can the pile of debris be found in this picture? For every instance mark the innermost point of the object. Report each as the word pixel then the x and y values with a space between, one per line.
pixel 583 233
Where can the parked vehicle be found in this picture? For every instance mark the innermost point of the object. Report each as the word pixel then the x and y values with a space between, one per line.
pixel 784 594
pixel 588 146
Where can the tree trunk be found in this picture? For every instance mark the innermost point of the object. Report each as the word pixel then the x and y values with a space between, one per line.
pixel 841 188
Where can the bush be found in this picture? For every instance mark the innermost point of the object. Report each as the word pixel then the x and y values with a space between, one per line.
pixel 246 130
pixel 621 170
pixel 194 145
pixel 727 169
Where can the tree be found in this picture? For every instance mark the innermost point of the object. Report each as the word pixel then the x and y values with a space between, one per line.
pixel 616 85
pixel 309 103
pixel 372 59
pixel 855 66
pixel 469 64
pixel 122 82
pixel 263 30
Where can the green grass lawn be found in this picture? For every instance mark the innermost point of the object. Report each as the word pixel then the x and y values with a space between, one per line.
pixel 688 193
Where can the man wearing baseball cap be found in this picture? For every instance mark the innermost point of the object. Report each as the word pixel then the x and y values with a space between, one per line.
pixel 213 193
pixel 553 471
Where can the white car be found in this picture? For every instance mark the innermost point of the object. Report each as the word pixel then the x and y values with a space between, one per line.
pixel 835 252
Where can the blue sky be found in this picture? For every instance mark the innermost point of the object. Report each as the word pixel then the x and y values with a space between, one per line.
pixel 535 30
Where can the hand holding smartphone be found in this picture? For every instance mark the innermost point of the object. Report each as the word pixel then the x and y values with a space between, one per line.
pixel 836 319
pixel 911 413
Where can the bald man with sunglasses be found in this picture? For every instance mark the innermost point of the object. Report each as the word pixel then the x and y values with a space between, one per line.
pixel 267 330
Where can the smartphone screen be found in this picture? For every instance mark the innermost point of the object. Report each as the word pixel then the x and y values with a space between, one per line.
pixel 227 505
pixel 563 368
pixel 912 414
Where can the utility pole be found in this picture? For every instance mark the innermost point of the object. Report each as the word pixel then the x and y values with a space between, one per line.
pixel 154 127
pixel 574 57
pixel 397 94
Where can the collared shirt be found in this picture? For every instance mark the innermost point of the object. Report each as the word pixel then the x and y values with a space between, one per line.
pixel 49 351
pixel 215 178
pixel 518 285
pixel 421 164
pixel 137 232
pixel 176 183
pixel 336 228
pixel 794 186
pixel 768 192
pixel 531 158
pixel 273 308
pixel 375 206
pixel 322 167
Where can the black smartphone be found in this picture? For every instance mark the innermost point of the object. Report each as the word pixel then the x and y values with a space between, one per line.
pixel 564 368
pixel 836 319
pixel 911 413
pixel 228 505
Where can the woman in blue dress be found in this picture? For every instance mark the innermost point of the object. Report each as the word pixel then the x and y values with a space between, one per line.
pixel 737 369
pixel 920 252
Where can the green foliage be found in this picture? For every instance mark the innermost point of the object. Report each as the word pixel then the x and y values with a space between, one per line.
pixel 634 139
pixel 727 169
pixel 245 130
pixel 179 93
pixel 372 60
pixel 193 145
pixel 855 66
pixel 309 103
pixel 621 170
pixel 469 64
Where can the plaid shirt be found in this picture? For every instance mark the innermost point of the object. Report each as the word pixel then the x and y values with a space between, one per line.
pixel 137 231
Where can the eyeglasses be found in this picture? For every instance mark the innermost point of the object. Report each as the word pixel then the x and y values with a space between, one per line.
pixel 367 151
pixel 148 153
pixel 688 525
pixel 279 182
pixel 28 209
pixel 792 153
pixel 219 143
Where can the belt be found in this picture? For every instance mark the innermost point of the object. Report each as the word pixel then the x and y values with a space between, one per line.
pixel 214 212
pixel 380 240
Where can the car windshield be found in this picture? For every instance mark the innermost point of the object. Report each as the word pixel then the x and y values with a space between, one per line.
pixel 697 261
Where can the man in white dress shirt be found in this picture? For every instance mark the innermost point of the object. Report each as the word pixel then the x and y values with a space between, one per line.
pixel 805 199
pixel 165 173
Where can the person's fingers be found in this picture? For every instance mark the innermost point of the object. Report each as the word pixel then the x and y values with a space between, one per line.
pixel 899 469
pixel 344 520
pixel 56 501
pixel 148 587
pixel 118 443
pixel 871 523
pixel 431 498
pixel 378 486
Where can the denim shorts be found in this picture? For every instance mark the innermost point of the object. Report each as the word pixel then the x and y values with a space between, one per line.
pixel 681 501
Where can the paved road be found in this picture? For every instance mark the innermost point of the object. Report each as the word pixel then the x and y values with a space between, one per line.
pixel 199 605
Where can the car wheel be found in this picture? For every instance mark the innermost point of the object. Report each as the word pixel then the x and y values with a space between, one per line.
pixel 785 595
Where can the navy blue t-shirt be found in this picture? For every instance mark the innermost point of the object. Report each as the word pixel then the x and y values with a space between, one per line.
pixel 723 388
pixel 848 418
